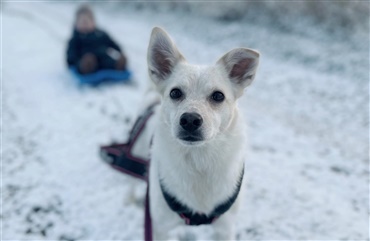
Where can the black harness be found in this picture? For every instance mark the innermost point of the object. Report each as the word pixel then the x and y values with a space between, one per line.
pixel 192 217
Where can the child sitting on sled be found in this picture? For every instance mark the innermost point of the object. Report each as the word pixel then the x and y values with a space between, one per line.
pixel 91 49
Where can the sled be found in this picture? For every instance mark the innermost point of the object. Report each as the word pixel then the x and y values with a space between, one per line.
pixel 101 76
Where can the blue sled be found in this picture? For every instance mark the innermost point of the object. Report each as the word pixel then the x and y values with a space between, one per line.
pixel 101 76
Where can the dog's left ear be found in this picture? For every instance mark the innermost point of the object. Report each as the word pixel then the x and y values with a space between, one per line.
pixel 241 66
pixel 163 56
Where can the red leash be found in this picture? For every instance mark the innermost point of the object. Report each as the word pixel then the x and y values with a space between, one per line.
pixel 148 232
pixel 120 157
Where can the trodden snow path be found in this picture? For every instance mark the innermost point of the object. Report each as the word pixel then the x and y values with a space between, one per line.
pixel 307 163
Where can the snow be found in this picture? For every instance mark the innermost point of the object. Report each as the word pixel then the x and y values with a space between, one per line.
pixel 307 112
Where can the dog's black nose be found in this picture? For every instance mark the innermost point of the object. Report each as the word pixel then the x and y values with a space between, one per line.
pixel 190 121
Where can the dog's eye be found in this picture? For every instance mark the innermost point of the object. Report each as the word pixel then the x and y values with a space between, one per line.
pixel 175 94
pixel 218 96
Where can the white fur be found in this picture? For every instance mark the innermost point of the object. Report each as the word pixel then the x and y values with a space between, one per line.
pixel 204 174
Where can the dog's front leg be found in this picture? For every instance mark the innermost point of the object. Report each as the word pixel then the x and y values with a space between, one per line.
pixel 164 221
pixel 163 218
pixel 224 228
pixel 160 233
pixel 162 228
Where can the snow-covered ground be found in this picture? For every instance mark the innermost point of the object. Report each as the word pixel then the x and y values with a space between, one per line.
pixel 307 111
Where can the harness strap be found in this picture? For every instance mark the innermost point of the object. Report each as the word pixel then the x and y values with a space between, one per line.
pixel 192 217
pixel 120 156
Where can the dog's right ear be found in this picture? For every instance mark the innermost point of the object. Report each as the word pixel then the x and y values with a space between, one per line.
pixel 241 66
pixel 163 56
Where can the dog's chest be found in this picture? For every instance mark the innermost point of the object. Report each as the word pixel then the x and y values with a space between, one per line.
pixel 202 180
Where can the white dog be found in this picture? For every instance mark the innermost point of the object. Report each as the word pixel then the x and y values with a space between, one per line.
pixel 197 153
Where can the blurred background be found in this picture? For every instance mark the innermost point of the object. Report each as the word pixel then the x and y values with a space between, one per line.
pixel 307 169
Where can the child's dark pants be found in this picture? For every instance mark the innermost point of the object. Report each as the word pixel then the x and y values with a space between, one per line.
pixel 90 63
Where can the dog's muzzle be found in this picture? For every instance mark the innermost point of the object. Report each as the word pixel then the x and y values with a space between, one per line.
pixel 190 127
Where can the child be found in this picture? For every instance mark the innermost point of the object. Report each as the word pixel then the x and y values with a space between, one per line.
pixel 90 48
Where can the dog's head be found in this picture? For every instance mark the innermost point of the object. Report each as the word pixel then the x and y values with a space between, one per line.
pixel 198 102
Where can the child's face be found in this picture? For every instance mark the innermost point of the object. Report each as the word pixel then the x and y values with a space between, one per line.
pixel 85 23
